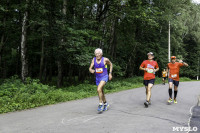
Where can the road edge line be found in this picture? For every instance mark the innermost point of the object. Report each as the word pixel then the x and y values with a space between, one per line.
pixel 190 117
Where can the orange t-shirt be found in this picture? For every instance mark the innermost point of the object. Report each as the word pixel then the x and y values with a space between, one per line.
pixel 149 74
pixel 174 70
pixel 164 74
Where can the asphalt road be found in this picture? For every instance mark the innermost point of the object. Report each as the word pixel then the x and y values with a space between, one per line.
pixel 195 119
pixel 126 114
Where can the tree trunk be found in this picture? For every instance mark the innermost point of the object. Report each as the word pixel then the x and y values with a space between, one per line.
pixel 2 43
pixel 50 72
pixel 131 62
pixel 112 36
pixel 24 72
pixel 4 70
pixel 18 61
pixel 64 7
pixel 1 50
pixel 45 72
pixel 60 74
pixel 70 73
pixel 3 38
pixel 41 60
pixel 60 67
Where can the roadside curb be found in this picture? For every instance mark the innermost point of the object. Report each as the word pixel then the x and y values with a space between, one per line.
pixel 198 104
pixel 195 120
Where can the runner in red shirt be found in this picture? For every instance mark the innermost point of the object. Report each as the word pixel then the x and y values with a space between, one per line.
pixel 149 67
pixel 173 68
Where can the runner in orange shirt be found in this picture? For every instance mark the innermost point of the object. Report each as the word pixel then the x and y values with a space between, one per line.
pixel 164 76
pixel 173 68
pixel 149 67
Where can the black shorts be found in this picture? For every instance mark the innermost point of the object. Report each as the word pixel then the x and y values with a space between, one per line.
pixel 176 83
pixel 164 78
pixel 151 81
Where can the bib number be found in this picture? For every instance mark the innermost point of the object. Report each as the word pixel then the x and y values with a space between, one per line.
pixel 99 70
pixel 174 75
pixel 150 70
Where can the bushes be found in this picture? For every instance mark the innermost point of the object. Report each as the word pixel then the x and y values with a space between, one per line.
pixel 184 79
pixel 14 95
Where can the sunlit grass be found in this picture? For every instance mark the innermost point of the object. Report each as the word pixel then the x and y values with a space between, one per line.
pixel 14 95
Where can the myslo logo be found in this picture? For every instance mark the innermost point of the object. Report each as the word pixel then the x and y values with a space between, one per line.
pixel 185 129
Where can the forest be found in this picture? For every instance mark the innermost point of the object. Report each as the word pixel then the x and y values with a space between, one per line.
pixel 54 40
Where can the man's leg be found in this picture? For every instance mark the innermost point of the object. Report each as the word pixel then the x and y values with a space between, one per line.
pixel 148 96
pixel 100 91
pixel 146 87
pixel 106 105
pixel 104 98
pixel 170 89
pixel 175 93
pixel 145 82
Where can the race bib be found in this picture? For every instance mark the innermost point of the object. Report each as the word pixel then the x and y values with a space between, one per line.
pixel 174 75
pixel 99 70
pixel 150 70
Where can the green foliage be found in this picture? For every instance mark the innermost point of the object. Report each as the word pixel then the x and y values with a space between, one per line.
pixel 126 30
pixel 14 95
pixel 182 79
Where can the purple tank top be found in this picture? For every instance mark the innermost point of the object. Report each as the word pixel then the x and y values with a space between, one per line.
pixel 100 69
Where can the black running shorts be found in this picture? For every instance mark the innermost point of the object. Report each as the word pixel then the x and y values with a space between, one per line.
pixel 151 81
pixel 176 83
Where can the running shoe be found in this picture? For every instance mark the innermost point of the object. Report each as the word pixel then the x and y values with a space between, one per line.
pixel 106 105
pixel 175 101
pixel 170 100
pixel 149 102
pixel 100 107
pixel 146 104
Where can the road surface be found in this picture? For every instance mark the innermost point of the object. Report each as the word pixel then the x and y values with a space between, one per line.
pixel 125 115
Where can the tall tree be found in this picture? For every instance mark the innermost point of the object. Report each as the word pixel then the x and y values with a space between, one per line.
pixel 24 61
pixel 60 60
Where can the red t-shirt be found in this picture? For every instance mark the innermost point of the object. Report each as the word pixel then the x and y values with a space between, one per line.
pixel 174 70
pixel 150 65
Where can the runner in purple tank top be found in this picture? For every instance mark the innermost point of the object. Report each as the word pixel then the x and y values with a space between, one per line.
pixel 100 69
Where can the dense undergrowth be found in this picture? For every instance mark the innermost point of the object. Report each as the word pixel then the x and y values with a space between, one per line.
pixel 14 95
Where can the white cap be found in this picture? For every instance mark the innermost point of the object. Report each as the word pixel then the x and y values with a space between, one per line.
pixel 150 53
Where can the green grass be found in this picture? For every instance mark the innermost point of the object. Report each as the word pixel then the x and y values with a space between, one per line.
pixel 14 95
pixel 183 79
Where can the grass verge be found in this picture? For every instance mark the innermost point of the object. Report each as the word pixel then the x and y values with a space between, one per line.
pixel 14 95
